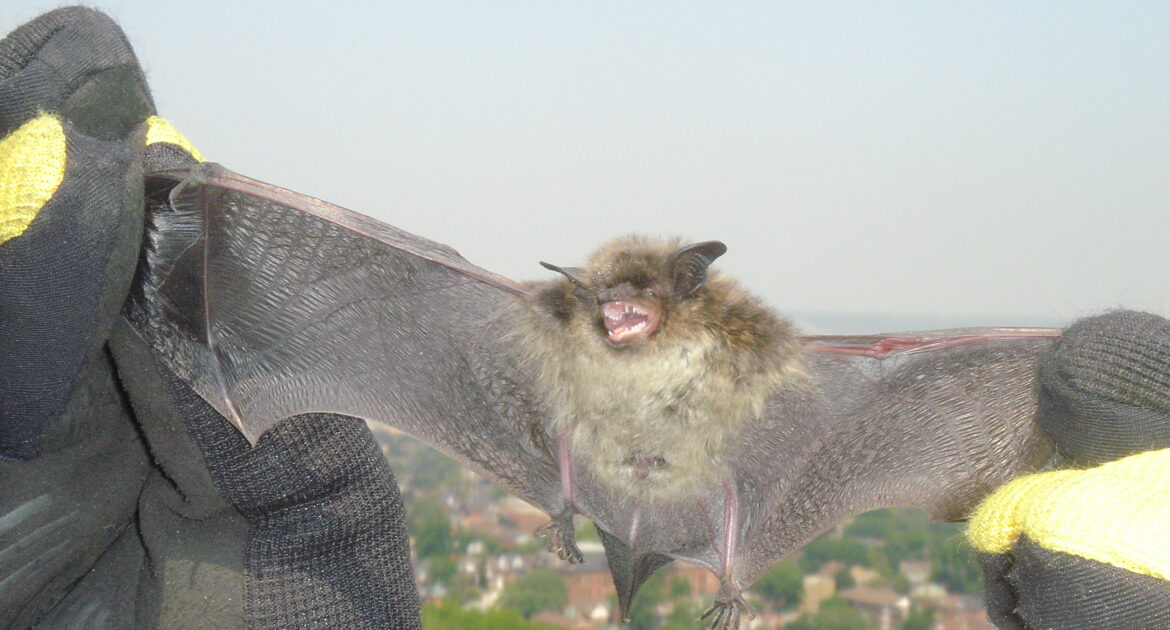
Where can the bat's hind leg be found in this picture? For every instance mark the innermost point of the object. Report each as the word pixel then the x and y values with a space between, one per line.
pixel 560 536
pixel 729 606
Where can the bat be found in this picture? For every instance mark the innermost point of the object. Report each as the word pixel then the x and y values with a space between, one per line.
pixel 642 390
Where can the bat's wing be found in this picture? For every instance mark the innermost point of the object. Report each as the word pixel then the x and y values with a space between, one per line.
pixel 944 416
pixel 269 304
pixel 930 420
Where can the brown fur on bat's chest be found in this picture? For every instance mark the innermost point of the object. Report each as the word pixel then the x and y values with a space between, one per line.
pixel 655 425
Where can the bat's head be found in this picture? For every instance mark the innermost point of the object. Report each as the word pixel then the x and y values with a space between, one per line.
pixel 634 289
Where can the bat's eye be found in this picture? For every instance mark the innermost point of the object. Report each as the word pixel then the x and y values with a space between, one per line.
pixel 584 295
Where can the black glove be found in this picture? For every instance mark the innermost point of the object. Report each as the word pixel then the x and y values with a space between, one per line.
pixel 1089 546
pixel 125 501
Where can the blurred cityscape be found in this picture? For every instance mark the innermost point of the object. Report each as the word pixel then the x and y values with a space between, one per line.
pixel 478 566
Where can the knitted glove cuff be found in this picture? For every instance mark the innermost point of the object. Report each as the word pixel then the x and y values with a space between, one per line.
pixel 1105 387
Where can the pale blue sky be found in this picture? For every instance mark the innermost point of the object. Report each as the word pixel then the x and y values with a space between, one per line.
pixel 977 162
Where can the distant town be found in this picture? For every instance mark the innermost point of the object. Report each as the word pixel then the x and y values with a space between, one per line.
pixel 478 565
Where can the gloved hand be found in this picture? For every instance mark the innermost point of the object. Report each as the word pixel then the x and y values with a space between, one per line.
pixel 125 501
pixel 1088 546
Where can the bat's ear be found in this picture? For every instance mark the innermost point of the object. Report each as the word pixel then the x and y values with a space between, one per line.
pixel 574 274
pixel 688 266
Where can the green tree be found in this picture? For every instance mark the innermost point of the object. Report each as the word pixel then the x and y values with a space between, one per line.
pixel 907 544
pixel 448 615
pixel 955 566
pixel 431 470
pixel 463 588
pixel 877 560
pixel 875 525
pixel 900 584
pixel 919 620
pixel 679 587
pixel 685 616
pixel 830 547
pixel 442 568
pixel 782 585
pixel 588 531
pixel 835 614
pixel 843 579
pixel 431 527
pixel 902 533
pixel 460 539
pixel 533 592
pixel 643 610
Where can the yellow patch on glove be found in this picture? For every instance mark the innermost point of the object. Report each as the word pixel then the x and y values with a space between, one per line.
pixel 1117 513
pixel 159 130
pixel 32 165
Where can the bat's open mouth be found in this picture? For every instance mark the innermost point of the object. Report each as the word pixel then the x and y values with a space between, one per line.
pixel 629 320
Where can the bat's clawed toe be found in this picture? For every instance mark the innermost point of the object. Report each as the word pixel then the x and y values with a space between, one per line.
pixel 560 537
pixel 728 609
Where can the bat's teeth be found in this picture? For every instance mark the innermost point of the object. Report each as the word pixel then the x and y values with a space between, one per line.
pixel 627 320
pixel 620 311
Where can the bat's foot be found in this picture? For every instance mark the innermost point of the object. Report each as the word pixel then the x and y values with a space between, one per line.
pixel 729 608
pixel 560 537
